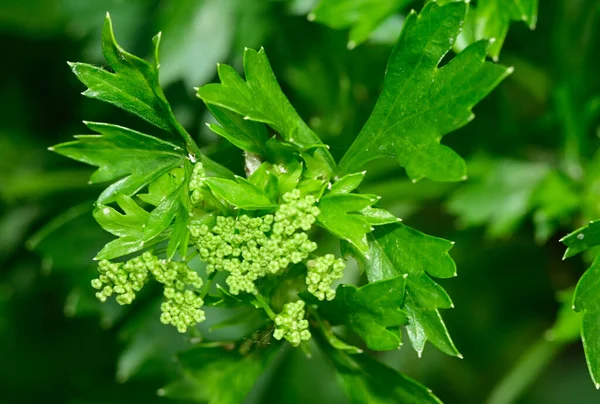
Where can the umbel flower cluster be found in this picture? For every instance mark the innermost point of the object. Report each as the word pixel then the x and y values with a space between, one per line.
pixel 249 248
pixel 182 306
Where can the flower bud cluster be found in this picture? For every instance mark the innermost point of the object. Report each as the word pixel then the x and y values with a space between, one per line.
pixel 291 325
pixel 182 307
pixel 196 182
pixel 250 248
pixel 322 272
pixel 123 279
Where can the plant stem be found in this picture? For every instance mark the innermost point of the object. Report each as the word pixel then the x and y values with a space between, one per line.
pixel 207 284
pixel 527 369
pixel 262 302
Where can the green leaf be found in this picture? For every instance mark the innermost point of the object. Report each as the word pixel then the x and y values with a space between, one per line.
pixel 371 311
pixel 492 18
pixel 186 52
pixel 421 102
pixel 260 99
pixel 217 376
pixel 587 301
pixel 396 249
pixel 501 198
pixel 245 134
pixel 582 239
pixel 132 158
pixel 365 380
pixel 173 207
pixel 161 188
pixel 361 16
pixel 129 227
pixel 377 216
pixel 132 85
pixel 567 327
pixel 347 184
pixel 340 216
pixel 241 193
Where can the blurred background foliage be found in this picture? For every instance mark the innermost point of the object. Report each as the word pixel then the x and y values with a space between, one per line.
pixel 534 175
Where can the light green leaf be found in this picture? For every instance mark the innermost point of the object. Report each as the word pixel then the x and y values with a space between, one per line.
pixel 499 197
pixel 337 217
pixel 396 249
pixel 132 158
pixel 582 239
pixel 173 207
pixel 361 16
pixel 159 189
pixel 491 19
pixel 347 184
pixel 420 102
pixel 377 216
pixel 241 193
pixel 134 85
pixel 259 98
pixel 365 380
pixel 371 311
pixel 129 227
pixel 245 134
pixel 217 375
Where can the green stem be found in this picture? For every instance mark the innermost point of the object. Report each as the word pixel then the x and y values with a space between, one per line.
pixel 207 284
pixel 527 369
pixel 264 304
pixel 191 145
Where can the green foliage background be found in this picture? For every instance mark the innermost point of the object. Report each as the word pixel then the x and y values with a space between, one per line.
pixel 533 175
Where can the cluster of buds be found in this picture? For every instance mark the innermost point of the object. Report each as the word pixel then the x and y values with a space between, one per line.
pixel 123 279
pixel 291 325
pixel 250 248
pixel 322 272
pixel 182 307
pixel 196 182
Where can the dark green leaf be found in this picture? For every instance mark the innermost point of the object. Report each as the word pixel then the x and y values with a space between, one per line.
pixel 217 376
pixel 567 327
pixel 421 102
pixel 371 311
pixel 132 158
pixel 502 198
pixel 366 380
pixel 133 86
pixel 396 249
pixel 243 133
